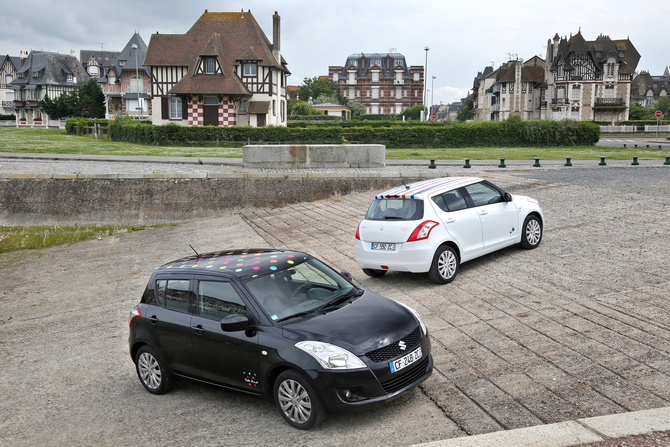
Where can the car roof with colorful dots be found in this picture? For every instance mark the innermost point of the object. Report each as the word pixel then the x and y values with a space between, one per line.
pixel 243 263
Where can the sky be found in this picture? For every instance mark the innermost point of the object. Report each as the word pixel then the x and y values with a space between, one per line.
pixel 463 36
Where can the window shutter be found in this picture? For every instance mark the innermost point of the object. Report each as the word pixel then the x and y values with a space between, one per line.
pixel 184 109
pixel 165 107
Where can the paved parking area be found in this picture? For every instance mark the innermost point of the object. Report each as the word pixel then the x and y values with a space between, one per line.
pixel 576 328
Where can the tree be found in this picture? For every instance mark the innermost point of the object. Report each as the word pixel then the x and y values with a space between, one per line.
pixel 65 105
pixel 87 101
pixel 415 110
pixel 314 87
pixel 356 107
pixel 465 112
pixel 638 112
pixel 663 104
pixel 302 108
pixel 326 98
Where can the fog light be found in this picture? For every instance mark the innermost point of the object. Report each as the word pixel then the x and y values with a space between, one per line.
pixel 351 394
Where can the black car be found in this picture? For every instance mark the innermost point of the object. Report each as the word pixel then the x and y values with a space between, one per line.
pixel 279 324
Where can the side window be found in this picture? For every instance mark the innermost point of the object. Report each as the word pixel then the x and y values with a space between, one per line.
pixel 219 299
pixel 483 194
pixel 173 293
pixel 450 201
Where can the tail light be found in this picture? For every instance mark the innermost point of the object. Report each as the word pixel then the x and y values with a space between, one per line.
pixel 358 233
pixel 135 313
pixel 422 231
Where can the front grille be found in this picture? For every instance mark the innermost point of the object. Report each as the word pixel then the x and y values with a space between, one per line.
pixel 409 377
pixel 388 352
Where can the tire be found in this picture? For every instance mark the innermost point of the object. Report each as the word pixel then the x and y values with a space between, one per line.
pixel 152 371
pixel 375 273
pixel 531 233
pixel 297 400
pixel 445 265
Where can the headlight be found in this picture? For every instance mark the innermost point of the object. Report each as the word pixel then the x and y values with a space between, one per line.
pixel 416 315
pixel 331 356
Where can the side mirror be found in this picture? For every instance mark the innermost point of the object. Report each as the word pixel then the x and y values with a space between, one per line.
pixel 508 197
pixel 234 323
pixel 346 275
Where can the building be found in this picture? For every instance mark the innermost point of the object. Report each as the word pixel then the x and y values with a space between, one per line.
pixel 223 72
pixel 647 89
pixel 480 85
pixel 8 70
pixel 125 82
pixel 384 84
pixel 330 109
pixel 589 80
pixel 44 73
pixel 515 88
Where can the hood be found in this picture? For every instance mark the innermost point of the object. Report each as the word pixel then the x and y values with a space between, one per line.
pixel 370 322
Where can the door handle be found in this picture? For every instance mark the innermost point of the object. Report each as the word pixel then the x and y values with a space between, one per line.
pixel 450 220
pixel 153 319
pixel 198 329
pixel 484 212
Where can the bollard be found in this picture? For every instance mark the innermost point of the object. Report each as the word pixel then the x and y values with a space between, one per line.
pixel 636 146
pixel 624 145
pixel 602 162
pixel 667 161
pixel 567 161
pixel 432 165
pixel 537 163
pixel 502 163
pixel 635 162
pixel 467 163
pixel 647 146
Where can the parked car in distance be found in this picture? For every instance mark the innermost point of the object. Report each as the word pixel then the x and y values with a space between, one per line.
pixel 435 225
pixel 279 324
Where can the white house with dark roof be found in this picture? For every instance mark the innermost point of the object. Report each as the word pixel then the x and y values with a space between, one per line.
pixel 8 70
pixel 43 73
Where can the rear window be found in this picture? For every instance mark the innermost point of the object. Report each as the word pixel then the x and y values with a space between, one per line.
pixel 395 209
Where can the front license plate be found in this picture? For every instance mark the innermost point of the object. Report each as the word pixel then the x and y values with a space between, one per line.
pixel 383 246
pixel 404 362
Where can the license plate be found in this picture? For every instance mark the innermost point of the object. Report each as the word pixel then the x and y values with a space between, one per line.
pixel 405 361
pixel 383 246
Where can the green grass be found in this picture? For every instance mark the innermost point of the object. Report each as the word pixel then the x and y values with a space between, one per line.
pixel 53 141
pixel 30 238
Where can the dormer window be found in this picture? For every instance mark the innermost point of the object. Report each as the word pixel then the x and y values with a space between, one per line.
pixel 599 54
pixel 210 65
pixel 69 78
pixel 250 69
pixel 122 63
pixel 19 75
pixel 36 75
pixel 621 53
pixel 93 70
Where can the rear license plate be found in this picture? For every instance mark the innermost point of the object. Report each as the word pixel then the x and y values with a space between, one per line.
pixel 405 361
pixel 383 246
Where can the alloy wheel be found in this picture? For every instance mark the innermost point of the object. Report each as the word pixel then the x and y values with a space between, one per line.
pixel 533 232
pixel 294 401
pixel 150 371
pixel 447 263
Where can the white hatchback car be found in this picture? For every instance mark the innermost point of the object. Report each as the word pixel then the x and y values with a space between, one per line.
pixel 435 225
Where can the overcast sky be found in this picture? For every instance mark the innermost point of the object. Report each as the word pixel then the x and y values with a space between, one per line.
pixel 464 36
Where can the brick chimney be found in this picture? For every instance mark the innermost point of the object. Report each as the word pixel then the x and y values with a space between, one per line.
pixel 276 35
pixel 73 65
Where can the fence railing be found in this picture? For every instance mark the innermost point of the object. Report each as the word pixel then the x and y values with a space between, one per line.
pixel 652 128
pixel 618 129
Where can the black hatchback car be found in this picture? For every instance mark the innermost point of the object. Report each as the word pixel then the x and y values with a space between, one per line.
pixel 280 324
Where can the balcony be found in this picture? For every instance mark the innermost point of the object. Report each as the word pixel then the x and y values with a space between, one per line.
pixel 32 103
pixel 7 103
pixel 610 102
pixel 351 82
pixel 398 81
pixel 495 108
pixel 495 88
pixel 135 89
pixel 19 103
pixel 559 101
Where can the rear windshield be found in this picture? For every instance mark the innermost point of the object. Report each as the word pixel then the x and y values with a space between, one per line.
pixel 395 209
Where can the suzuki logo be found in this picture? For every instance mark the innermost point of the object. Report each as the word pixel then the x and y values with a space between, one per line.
pixel 402 345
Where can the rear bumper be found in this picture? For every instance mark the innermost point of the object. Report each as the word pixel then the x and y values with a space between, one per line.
pixel 414 257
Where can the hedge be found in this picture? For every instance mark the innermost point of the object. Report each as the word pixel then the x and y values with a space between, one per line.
pixel 8 117
pixel 508 133
pixel 74 125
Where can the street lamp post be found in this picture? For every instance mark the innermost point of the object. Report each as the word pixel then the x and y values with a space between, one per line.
pixel 137 80
pixel 432 92
pixel 425 72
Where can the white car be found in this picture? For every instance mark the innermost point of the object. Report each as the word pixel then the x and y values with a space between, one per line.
pixel 435 225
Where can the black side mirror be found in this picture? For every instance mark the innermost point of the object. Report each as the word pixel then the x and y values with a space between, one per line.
pixel 234 323
pixel 346 275
pixel 508 197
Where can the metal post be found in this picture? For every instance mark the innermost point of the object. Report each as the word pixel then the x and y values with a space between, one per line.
pixel 467 163
pixel 502 163
pixel 425 85
pixel 432 93
pixel 137 75
pixel 635 162
pixel 537 163
pixel 567 161
pixel 602 162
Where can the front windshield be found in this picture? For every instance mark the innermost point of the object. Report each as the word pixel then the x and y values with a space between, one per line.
pixel 298 288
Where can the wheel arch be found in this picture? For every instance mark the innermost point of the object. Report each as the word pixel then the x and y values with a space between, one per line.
pixel 536 214
pixel 453 245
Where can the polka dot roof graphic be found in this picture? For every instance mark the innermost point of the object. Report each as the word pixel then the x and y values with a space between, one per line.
pixel 244 264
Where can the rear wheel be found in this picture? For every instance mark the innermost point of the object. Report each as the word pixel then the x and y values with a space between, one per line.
pixel 375 273
pixel 152 371
pixel 531 233
pixel 445 265
pixel 297 400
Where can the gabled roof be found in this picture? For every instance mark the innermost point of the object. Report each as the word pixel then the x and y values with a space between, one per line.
pixel 604 45
pixel 52 69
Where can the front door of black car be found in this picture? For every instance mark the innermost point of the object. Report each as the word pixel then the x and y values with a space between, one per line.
pixel 228 358
pixel 171 326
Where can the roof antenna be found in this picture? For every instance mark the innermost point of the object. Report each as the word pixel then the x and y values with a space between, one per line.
pixel 196 253
pixel 403 183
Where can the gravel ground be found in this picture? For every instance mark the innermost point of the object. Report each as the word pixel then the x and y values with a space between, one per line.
pixel 650 440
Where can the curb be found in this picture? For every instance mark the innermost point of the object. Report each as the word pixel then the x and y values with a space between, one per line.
pixel 570 433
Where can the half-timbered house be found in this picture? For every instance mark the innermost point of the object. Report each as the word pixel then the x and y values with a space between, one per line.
pixel 648 89
pixel 516 88
pixel 126 83
pixel 222 72
pixel 8 69
pixel 589 80
pixel 44 73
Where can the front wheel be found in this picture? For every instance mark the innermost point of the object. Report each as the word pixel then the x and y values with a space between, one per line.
pixel 297 400
pixel 531 233
pixel 445 265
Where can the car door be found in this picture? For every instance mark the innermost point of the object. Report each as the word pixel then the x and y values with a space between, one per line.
pixel 499 218
pixel 462 222
pixel 228 358
pixel 171 325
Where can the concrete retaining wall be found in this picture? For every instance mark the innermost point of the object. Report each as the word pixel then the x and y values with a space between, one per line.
pixel 156 199
pixel 314 156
